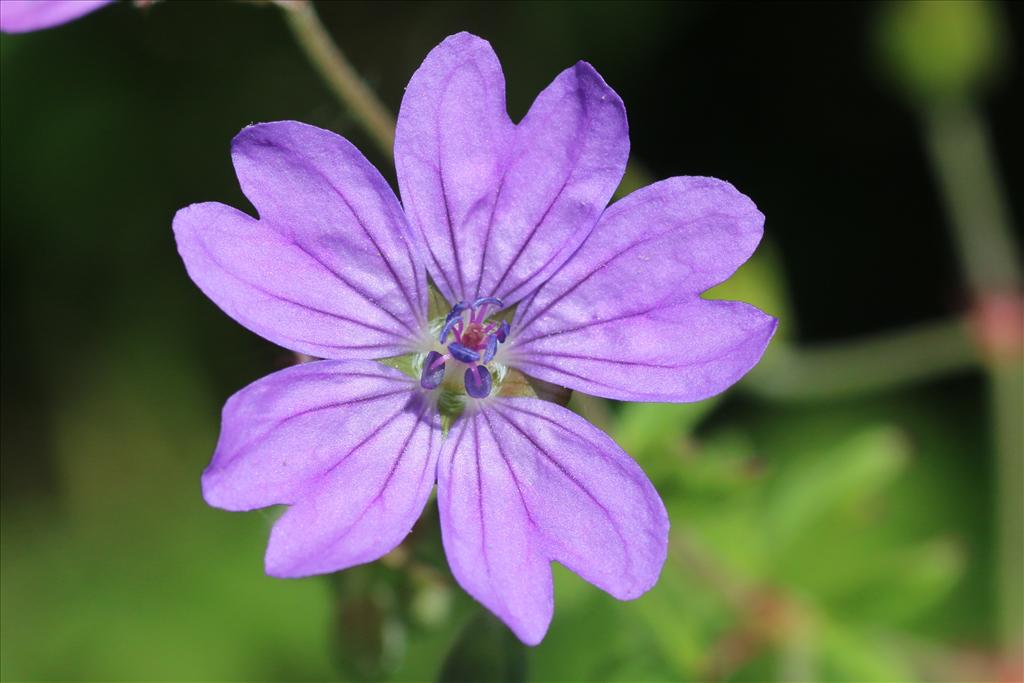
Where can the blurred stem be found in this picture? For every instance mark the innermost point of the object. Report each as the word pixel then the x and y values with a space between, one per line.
pixel 961 153
pixel 798 647
pixel 1006 395
pixel 339 74
pixel 864 365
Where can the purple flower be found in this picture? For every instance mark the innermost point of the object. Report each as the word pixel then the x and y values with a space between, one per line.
pixel 22 16
pixel 510 222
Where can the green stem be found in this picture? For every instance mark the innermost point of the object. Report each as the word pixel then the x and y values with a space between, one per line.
pixel 1006 396
pixel 864 365
pixel 339 74
pixel 962 156
pixel 960 148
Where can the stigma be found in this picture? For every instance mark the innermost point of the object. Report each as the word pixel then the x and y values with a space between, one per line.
pixel 471 341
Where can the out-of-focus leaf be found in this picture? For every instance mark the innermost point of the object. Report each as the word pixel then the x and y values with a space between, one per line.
pixel 485 652
pixel 437 305
pixel 647 426
pixel 851 471
pixel 585 615
pixel 655 434
pixel 850 656
pixel 901 584
pixel 721 464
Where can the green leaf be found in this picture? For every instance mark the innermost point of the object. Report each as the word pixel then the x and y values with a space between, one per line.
pixel 406 364
pixel 648 426
pixel 655 434
pixel 849 655
pixel 437 305
pixel 895 586
pixel 810 486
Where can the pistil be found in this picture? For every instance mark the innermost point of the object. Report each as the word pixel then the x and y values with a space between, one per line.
pixel 474 343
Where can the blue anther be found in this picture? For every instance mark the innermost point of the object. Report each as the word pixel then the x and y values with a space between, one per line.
pixel 448 325
pixel 478 381
pixel 457 310
pixel 432 375
pixel 491 349
pixel 454 316
pixel 460 352
pixel 502 332
pixel 495 301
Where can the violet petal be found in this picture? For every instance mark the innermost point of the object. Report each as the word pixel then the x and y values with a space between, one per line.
pixel 22 16
pixel 627 306
pixel 499 206
pixel 525 482
pixel 347 443
pixel 367 503
pixel 327 269
pixel 287 429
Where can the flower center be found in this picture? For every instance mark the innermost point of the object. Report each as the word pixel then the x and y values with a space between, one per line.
pixel 471 340
pixel 473 336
